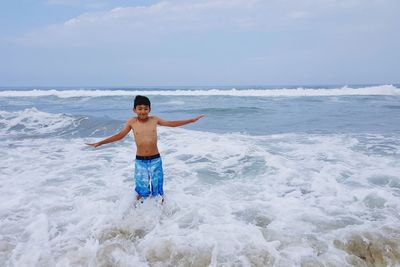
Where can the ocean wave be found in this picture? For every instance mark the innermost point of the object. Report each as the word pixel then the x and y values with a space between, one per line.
pixel 32 121
pixel 343 91
pixel 231 200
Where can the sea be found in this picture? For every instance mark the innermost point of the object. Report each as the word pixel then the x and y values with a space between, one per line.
pixel 271 176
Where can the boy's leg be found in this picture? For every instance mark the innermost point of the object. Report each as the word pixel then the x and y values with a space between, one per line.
pixel 142 179
pixel 157 177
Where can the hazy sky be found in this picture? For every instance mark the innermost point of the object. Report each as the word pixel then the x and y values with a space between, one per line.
pixel 204 42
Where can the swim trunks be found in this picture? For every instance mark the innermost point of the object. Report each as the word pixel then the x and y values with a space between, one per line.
pixel 149 175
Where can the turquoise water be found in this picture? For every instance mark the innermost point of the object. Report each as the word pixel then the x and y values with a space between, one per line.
pixel 270 177
pixel 375 111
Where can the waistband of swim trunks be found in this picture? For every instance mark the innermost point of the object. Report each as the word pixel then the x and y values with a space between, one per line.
pixel 147 157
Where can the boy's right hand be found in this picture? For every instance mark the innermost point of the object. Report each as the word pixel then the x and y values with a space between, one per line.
pixel 94 144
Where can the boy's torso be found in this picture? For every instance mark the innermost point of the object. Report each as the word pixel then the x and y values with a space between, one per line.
pixel 145 134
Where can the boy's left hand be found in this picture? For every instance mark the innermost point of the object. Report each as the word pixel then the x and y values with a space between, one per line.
pixel 198 118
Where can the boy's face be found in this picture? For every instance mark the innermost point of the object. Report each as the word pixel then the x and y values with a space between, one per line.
pixel 142 111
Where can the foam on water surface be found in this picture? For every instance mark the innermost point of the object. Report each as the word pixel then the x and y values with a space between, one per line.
pixel 33 122
pixel 231 200
pixel 343 91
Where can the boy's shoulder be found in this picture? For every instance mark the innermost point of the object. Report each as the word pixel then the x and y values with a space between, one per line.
pixel 154 118
pixel 132 120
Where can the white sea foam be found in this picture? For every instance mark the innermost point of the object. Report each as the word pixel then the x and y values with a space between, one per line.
pixel 371 90
pixel 231 200
pixel 32 121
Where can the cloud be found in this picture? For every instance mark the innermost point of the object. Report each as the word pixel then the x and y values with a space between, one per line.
pixel 176 14
pixel 85 3
pixel 130 24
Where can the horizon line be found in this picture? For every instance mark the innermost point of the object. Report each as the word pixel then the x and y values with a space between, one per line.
pixel 232 86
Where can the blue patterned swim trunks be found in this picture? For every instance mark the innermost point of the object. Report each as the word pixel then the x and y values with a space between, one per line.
pixel 149 176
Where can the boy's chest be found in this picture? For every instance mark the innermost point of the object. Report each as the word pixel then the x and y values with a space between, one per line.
pixel 144 129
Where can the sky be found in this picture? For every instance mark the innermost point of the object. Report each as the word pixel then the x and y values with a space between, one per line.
pixel 199 43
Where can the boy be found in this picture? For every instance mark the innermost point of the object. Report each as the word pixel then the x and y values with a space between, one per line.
pixel 148 164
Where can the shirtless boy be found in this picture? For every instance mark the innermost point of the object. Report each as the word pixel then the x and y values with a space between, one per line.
pixel 148 164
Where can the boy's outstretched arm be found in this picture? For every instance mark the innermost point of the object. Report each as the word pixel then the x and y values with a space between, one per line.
pixel 178 123
pixel 115 137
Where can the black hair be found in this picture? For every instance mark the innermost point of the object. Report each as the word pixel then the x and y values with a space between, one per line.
pixel 141 100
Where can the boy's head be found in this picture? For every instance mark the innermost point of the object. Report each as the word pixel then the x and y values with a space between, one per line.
pixel 141 100
pixel 141 107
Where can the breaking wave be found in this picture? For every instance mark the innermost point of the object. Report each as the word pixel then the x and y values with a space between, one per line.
pixel 343 91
